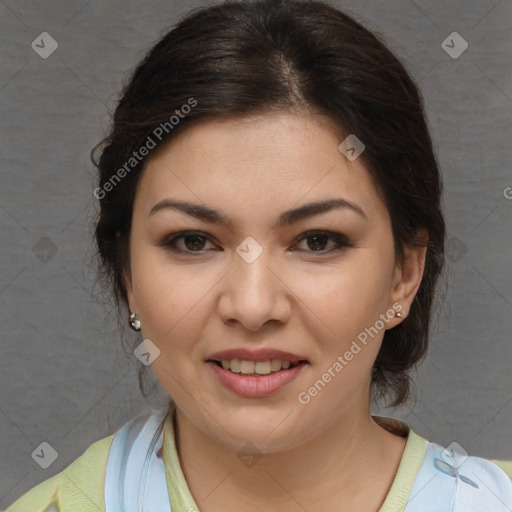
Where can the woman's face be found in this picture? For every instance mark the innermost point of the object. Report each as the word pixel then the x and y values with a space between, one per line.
pixel 265 275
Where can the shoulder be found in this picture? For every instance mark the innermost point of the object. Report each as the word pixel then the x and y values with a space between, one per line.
pixel 449 476
pixel 506 465
pixel 79 488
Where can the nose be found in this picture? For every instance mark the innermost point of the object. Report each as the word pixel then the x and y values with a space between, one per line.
pixel 254 294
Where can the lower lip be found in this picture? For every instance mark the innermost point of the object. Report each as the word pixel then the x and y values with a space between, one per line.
pixel 255 387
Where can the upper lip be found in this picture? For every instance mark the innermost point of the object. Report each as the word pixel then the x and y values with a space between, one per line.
pixel 261 354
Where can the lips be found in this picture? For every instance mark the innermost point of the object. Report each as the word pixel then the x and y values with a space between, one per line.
pixel 257 372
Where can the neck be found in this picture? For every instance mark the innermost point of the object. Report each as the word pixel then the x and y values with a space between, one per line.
pixel 352 455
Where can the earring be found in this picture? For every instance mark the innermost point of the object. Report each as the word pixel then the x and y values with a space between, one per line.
pixel 134 322
pixel 399 315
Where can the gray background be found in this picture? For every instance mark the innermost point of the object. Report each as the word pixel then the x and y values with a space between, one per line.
pixel 65 378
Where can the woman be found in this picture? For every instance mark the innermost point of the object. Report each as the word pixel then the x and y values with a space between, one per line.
pixel 270 218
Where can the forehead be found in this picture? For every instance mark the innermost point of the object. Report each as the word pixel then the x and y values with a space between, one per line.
pixel 259 162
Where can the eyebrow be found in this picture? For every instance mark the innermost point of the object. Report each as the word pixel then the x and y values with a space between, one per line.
pixel 287 217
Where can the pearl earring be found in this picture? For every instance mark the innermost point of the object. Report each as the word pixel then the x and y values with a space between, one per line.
pixel 134 322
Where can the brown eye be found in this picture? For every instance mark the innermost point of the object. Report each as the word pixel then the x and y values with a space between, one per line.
pixel 316 241
pixel 186 242
pixel 193 242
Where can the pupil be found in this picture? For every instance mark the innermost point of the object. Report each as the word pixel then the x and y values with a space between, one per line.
pixel 196 238
pixel 317 237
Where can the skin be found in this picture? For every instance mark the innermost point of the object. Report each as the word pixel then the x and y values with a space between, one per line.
pixel 321 456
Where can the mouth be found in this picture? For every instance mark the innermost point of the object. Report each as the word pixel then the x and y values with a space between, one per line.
pixel 256 368
pixel 257 373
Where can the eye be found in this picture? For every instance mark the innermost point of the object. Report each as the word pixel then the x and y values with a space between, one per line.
pixel 193 242
pixel 317 240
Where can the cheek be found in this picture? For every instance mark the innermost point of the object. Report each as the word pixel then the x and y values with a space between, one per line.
pixel 173 305
pixel 345 300
pixel 171 298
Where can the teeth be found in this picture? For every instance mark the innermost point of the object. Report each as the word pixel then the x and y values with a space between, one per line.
pixel 276 365
pixel 262 367
pixel 247 367
pixel 259 367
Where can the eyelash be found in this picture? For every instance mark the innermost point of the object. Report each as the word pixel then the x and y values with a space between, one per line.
pixel 340 240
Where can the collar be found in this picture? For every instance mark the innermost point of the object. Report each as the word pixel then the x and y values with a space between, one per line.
pixel 396 499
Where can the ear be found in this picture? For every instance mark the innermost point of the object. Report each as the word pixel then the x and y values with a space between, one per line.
pixel 407 279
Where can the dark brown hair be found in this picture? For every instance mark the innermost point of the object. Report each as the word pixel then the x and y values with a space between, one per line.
pixel 245 58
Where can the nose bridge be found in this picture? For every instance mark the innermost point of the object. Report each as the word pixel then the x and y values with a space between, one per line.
pixel 252 280
pixel 253 294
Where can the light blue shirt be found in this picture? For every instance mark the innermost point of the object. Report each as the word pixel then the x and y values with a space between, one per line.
pixel 448 480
